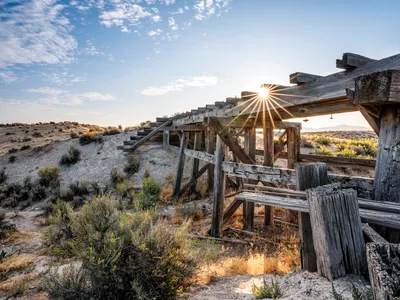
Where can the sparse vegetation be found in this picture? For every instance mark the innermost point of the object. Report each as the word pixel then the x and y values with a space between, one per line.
pixel 72 156
pixel 347 153
pixel 91 137
pixel 132 166
pixel 324 151
pixel 117 176
pixel 323 140
pixel 37 134
pixel 12 150
pixel 12 158
pixel 48 175
pixel 112 131
pixel 3 176
pixel 150 193
pixel 125 255
pixel 73 135
pixel 266 290
pixel 25 147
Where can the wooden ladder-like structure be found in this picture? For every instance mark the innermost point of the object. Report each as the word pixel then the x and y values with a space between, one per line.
pixel 144 134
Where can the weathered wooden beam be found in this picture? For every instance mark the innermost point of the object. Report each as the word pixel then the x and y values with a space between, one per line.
pixel 219 189
pixel 196 161
pixel 186 128
pixel 210 106
pixel 223 133
pixel 192 181
pixel 383 268
pixel 269 159
pixel 165 139
pixel 211 138
pixel 337 232
pixel 181 164
pixel 301 78
pixel 292 147
pixel 371 235
pixel 351 61
pixel 378 88
pixel 220 103
pixel 245 122
pixel 309 176
pixel 250 149
pixel 162 119
pixel 151 134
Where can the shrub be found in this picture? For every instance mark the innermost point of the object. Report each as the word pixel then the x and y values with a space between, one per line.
pixel 48 175
pixel 90 137
pixel 116 176
pixel 342 146
pixel 37 134
pixel 150 193
pixel 112 131
pixel 306 144
pixel 24 147
pixel 12 158
pixel 127 256
pixel 324 151
pixel 132 166
pixel 72 156
pixel 359 150
pixel 26 139
pixel 323 140
pixel 190 210
pixel 347 153
pixel 73 135
pixel 3 176
pixel 266 290
pixel 12 150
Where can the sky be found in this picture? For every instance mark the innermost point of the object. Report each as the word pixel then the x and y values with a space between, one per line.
pixel 111 62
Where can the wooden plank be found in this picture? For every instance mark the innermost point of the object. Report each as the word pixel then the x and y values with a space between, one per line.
pixel 181 164
pixel 250 149
pixel 371 235
pixel 245 122
pixel 190 183
pixel 324 91
pixel 210 106
pixel 165 139
pixel 337 231
pixel 301 78
pixel 269 159
pixel 196 161
pixel 219 189
pixel 291 148
pixel 276 201
pixel 151 134
pixel 186 128
pixel 351 61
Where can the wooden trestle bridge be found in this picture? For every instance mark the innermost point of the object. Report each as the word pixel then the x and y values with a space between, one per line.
pixel 332 210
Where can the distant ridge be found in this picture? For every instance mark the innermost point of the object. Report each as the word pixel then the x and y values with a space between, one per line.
pixel 337 128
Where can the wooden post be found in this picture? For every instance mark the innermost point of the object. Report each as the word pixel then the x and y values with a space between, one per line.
pixel 219 189
pixel 292 147
pixel 383 268
pixel 250 149
pixel 387 170
pixel 337 231
pixel 166 140
pixel 181 163
pixel 210 149
pixel 269 159
pixel 309 176
pixel 196 161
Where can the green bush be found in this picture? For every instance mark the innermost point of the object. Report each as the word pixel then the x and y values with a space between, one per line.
pixel 90 137
pixel 72 156
pixel 266 290
pixel 48 175
pixel 347 153
pixel 150 193
pixel 324 151
pixel 323 140
pixel 132 166
pixel 116 176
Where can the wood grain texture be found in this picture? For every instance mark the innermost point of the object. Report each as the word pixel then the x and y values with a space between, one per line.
pixel 301 78
pixel 210 150
pixel 181 164
pixel 250 149
pixel 383 268
pixel 371 235
pixel 350 61
pixel 337 232
pixel 387 171
pixel 219 189
pixel 196 161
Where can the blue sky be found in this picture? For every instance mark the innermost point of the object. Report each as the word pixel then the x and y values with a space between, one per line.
pixel 125 61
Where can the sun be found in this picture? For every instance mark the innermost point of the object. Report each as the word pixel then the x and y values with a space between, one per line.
pixel 263 93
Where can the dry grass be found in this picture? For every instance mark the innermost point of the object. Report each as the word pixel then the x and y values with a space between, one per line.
pixel 17 262
pixel 16 284
pixel 17 237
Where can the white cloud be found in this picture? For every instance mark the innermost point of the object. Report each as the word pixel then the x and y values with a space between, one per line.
pixel 179 85
pixel 172 23
pixel 7 76
pixel 35 32
pixel 62 78
pixel 52 96
pixel 206 8
pixel 123 14
pixel 91 49
pixel 154 32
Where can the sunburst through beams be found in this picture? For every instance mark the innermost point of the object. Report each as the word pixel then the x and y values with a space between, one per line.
pixel 266 101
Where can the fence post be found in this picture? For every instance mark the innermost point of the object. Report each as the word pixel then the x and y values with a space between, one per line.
pixel 337 231
pixel 309 175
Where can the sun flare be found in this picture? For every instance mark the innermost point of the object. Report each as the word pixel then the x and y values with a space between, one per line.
pixel 263 93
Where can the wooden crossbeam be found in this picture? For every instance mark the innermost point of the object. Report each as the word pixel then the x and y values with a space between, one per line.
pixel 185 128
pixel 151 134
pixel 350 61
pixel 301 78
pixel 191 182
